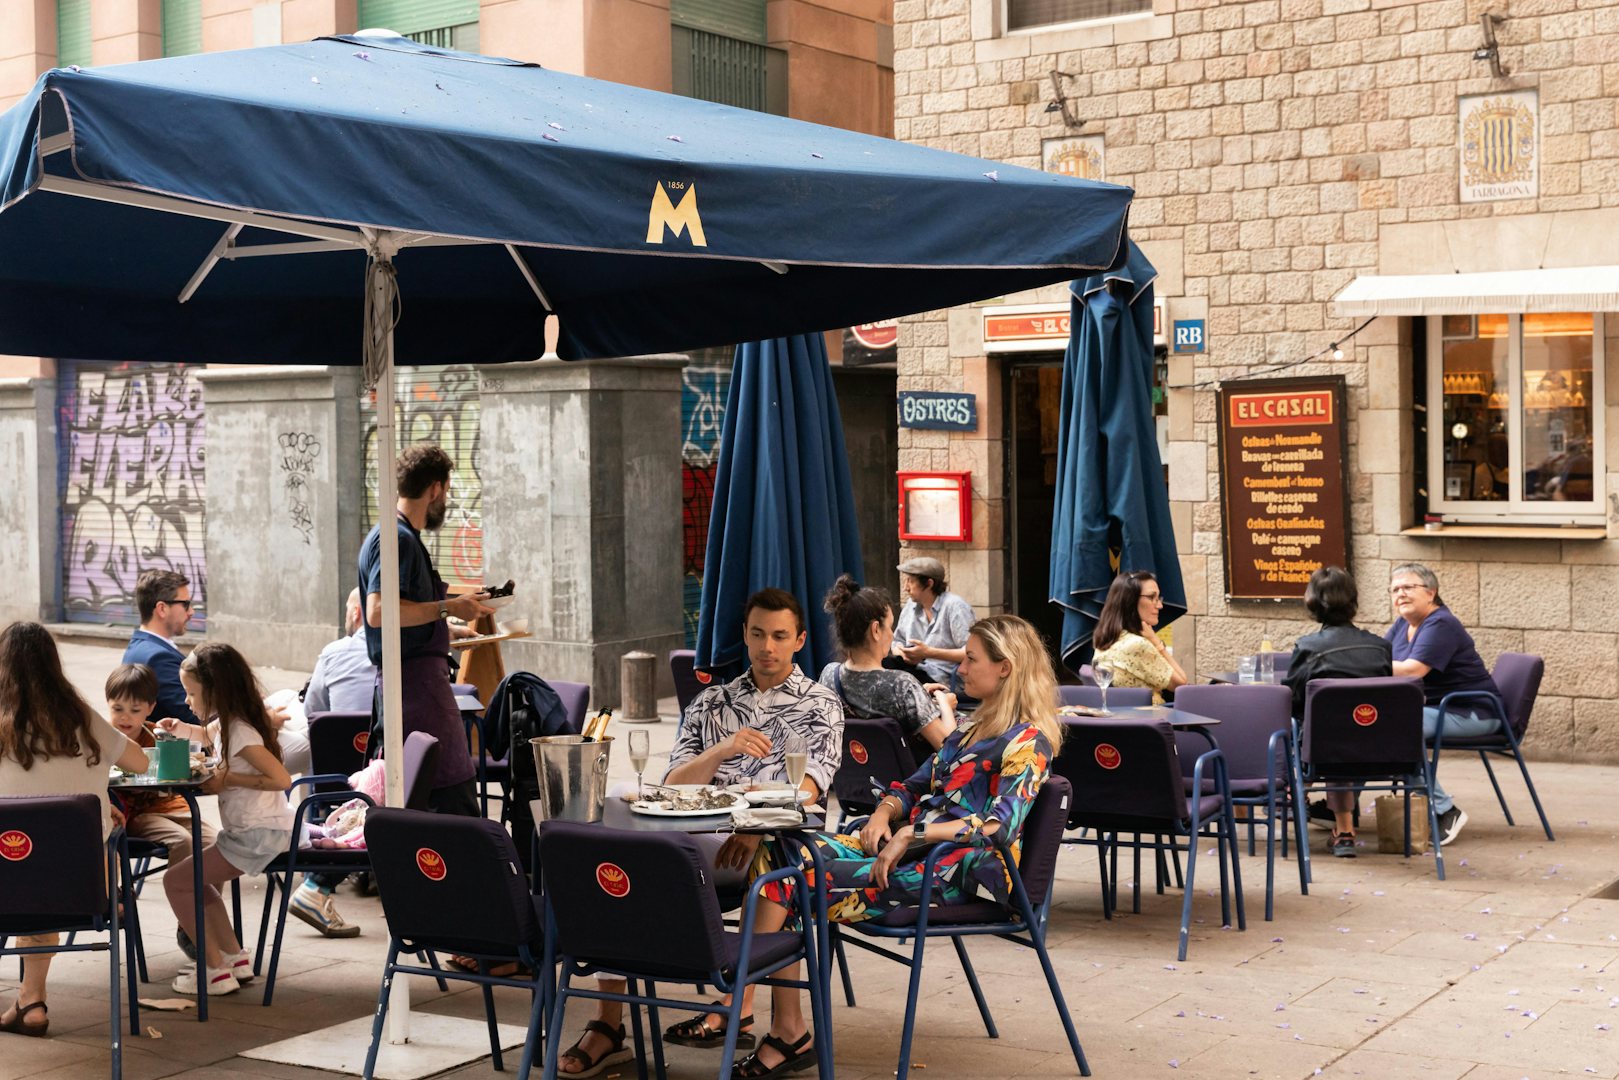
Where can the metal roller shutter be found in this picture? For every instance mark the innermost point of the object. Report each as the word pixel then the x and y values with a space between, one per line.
pixel 182 27
pixel 73 33
pixel 741 19
pixel 705 384
pixel 440 405
pixel 131 460
pixel 414 16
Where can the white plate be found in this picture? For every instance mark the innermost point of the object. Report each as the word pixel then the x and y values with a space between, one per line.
pixel 498 602
pixel 652 808
pixel 774 796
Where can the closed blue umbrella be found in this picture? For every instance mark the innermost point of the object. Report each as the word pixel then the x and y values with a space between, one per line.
pixel 1112 509
pixel 783 514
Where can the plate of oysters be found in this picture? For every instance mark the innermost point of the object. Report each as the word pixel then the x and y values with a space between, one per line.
pixel 686 800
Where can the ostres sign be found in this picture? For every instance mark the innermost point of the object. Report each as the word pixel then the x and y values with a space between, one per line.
pixel 938 412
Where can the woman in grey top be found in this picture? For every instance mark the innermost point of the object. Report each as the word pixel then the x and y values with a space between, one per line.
pixel 865 625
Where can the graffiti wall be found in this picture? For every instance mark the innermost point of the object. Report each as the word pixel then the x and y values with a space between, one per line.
pixel 132 469
pixel 440 405
pixel 704 386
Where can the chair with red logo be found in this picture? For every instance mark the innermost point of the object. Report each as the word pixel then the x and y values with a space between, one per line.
pixel 420 760
pixel 1126 776
pixel 54 870
pixel 1368 733
pixel 641 906
pixel 688 683
pixel 1089 696
pixel 1517 676
pixel 876 754
pixel 338 742
pixel 455 885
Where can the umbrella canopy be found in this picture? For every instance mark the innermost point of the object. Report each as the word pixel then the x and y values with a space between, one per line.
pixel 783 513
pixel 507 192
pixel 1112 508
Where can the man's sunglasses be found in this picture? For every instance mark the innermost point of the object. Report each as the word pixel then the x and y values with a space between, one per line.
pixel 185 603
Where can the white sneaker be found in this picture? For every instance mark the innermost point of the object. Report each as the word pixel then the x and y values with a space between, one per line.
pixel 316 908
pixel 220 981
pixel 242 968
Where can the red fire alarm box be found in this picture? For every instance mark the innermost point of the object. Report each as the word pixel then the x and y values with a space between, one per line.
pixel 936 506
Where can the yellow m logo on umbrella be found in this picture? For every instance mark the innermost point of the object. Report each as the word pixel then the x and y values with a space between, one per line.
pixel 677 219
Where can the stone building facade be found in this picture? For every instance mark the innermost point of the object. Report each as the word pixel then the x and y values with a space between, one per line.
pixel 1283 152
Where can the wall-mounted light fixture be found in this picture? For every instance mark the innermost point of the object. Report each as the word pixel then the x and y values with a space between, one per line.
pixel 1059 102
pixel 1490 50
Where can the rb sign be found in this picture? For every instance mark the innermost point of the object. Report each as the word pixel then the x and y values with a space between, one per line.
pixel 1189 337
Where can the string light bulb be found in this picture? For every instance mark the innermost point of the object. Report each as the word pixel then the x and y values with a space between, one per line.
pixel 1337 353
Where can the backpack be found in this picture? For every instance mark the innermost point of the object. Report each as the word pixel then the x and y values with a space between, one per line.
pixel 523 707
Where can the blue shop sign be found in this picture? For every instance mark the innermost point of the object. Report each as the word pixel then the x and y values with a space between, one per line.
pixel 1189 337
pixel 938 412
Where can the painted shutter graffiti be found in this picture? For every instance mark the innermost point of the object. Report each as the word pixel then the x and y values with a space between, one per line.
pixel 440 405
pixel 704 386
pixel 131 450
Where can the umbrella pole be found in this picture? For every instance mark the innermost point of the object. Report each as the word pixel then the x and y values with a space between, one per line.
pixel 378 281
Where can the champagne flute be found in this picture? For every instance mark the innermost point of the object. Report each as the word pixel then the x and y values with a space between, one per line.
pixel 795 757
pixel 1104 678
pixel 640 747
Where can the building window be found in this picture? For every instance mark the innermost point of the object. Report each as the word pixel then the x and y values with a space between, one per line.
pixel 72 33
pixel 1520 436
pixel 1025 14
pixel 728 70
pixel 463 38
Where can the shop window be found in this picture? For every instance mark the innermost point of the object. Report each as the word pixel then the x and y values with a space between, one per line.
pixel 1027 14
pixel 1520 436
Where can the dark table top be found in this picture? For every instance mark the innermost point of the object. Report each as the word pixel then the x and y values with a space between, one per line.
pixel 616 814
pixel 1175 717
pixel 142 782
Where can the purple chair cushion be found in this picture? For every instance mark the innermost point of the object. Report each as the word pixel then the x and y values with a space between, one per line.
pixel 1517 676
pixel 1362 727
pixel 52 863
pixel 1248 715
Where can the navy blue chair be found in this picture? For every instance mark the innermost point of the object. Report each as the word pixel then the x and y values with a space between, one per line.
pixel 876 754
pixel 421 758
pixel 1367 733
pixel 54 870
pixel 497 770
pixel 1022 920
pixel 1089 696
pixel 641 906
pixel 1517 676
pixel 1256 737
pixel 454 884
pixel 1126 776
pixel 687 683
pixel 338 745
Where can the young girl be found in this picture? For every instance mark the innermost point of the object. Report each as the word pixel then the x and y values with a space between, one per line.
pixel 255 820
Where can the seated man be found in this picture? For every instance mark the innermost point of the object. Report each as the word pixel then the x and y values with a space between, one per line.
pixel 737 732
pixel 344 677
pixel 1430 643
pixel 931 631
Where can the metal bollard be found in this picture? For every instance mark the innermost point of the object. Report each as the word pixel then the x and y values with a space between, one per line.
pixel 638 687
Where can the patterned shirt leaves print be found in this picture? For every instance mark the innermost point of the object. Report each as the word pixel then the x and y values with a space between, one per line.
pixel 799 706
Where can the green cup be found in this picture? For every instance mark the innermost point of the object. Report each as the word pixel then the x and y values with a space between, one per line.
pixel 174 759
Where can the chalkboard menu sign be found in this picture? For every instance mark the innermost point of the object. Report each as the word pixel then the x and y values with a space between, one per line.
pixel 1283 500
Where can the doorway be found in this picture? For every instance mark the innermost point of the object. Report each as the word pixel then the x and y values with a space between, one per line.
pixel 1034 396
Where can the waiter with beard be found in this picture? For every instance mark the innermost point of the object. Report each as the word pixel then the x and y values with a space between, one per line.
pixel 424 610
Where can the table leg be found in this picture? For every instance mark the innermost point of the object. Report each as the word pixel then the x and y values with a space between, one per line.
pixel 823 948
pixel 201 937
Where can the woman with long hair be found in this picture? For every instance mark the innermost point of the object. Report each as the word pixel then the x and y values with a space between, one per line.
pixel 1126 639
pixel 983 780
pixel 51 743
pixel 864 621
pixel 255 822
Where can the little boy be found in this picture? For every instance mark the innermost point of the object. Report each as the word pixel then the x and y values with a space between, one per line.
pixel 151 815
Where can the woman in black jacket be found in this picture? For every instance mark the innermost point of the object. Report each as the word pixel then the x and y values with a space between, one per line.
pixel 1339 650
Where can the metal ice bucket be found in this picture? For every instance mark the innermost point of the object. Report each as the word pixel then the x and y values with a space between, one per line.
pixel 572 776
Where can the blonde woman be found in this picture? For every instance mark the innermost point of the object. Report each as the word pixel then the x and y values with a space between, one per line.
pixel 981 781
pixel 1126 639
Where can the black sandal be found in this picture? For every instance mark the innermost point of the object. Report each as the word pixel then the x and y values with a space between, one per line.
pixel 795 1058
pixel 696 1032
pixel 16 1026
pixel 615 1055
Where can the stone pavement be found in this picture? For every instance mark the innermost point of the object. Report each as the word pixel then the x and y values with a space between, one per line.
pixel 1509 969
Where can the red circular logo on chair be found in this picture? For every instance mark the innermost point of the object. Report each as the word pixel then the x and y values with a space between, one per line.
pixel 1365 715
pixel 703 677
pixel 1108 756
pixel 15 845
pixel 362 740
pixel 857 750
pixel 613 880
pixel 431 864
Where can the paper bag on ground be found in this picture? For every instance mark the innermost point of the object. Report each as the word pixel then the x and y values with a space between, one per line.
pixel 1391 824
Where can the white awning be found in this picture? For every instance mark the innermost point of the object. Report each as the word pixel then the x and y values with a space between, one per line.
pixel 1577 288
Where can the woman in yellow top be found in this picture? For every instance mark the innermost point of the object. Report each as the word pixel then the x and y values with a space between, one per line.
pixel 1125 640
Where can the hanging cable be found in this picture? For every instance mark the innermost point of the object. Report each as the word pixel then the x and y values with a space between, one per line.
pixel 1334 351
pixel 382 311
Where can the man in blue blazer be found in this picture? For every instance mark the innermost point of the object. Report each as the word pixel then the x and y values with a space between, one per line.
pixel 164 600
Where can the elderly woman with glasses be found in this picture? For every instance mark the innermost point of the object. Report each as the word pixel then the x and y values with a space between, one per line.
pixel 1125 638
pixel 1430 643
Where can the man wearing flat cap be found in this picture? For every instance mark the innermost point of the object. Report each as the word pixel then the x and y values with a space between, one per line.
pixel 931 631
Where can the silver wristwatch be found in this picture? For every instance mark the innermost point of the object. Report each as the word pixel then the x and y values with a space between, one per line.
pixel 443 610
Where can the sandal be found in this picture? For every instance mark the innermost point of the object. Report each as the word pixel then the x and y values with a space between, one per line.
pixel 795 1058
pixel 615 1055
pixel 16 1026
pixel 696 1032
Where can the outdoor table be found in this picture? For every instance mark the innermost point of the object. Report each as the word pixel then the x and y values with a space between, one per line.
pixel 187 790
pixel 1233 679
pixel 1179 719
pixel 616 814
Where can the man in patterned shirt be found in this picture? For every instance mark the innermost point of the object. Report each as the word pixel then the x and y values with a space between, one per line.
pixel 737 733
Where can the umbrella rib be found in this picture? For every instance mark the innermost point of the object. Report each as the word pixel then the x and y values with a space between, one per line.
pixel 528 276
pixel 221 247
pixel 63 185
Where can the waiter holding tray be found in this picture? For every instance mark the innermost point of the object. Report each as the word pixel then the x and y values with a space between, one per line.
pixel 423 471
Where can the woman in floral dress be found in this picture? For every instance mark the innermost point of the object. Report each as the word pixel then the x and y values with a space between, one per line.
pixel 981 781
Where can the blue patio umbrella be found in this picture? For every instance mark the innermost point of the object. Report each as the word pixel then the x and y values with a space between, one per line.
pixel 783 513
pixel 1112 509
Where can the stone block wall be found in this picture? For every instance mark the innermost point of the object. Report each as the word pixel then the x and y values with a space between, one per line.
pixel 1279 148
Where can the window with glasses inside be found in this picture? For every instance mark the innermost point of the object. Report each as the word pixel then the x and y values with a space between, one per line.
pixel 1519 435
pixel 1026 14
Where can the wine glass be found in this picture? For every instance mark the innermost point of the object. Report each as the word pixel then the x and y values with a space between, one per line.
pixel 1104 679
pixel 640 747
pixel 795 758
